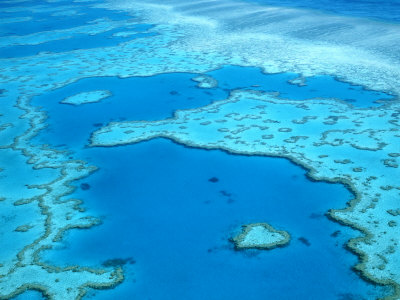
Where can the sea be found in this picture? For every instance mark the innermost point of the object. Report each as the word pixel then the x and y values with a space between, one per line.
pixel 168 211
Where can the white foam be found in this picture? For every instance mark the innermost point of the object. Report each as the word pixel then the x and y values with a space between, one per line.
pixel 280 39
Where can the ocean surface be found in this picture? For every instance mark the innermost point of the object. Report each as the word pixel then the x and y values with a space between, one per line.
pixel 168 211
pixel 379 10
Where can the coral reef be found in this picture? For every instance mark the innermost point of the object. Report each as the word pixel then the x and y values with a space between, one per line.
pixel 87 97
pixel 251 123
pixel 260 236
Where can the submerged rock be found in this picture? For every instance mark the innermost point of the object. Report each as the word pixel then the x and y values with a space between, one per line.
pixel 205 81
pixel 304 241
pixel 118 262
pixel 87 97
pixel 85 186
pixel 213 179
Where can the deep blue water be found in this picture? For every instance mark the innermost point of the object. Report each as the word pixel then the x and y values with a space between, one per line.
pixel 44 21
pixel 160 208
pixel 136 98
pixel 79 41
pixel 375 9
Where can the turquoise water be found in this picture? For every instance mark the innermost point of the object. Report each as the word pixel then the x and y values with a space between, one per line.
pixel 143 98
pixel 234 77
pixel 157 97
pixel 160 211
pixel 30 295
pixel 159 208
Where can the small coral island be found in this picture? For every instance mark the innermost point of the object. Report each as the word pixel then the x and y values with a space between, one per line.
pixel 87 97
pixel 205 81
pixel 260 236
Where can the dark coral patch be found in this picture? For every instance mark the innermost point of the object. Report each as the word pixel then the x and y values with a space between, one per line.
pixel 85 186
pixel 335 234
pixel 304 241
pixel 225 193
pixel 213 179
pixel 118 262
pixel 349 296
pixel 316 216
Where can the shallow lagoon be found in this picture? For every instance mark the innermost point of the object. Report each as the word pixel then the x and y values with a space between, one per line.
pixel 157 97
pixel 160 209
pixel 234 77
pixel 142 98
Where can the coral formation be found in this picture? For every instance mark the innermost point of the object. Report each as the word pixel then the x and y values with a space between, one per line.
pixel 87 97
pixel 362 138
pixel 260 236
